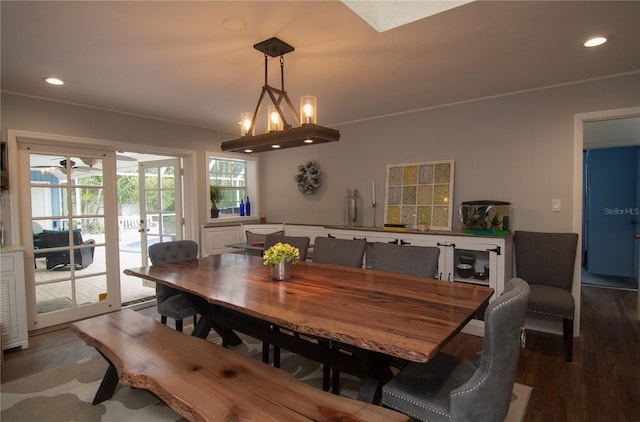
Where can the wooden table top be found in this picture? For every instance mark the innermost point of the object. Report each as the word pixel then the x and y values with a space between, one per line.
pixel 408 317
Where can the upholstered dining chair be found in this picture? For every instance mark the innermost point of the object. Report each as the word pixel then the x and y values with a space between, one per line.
pixel 300 242
pixel 546 261
pixel 448 388
pixel 421 261
pixel 258 238
pixel 345 252
pixel 171 303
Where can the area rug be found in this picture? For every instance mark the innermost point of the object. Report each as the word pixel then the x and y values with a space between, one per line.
pixel 65 393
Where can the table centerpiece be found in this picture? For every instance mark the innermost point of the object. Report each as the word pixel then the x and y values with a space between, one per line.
pixel 281 257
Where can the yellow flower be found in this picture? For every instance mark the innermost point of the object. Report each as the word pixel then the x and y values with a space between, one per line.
pixel 281 252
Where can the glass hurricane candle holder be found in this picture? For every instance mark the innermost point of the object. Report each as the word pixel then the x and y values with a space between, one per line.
pixel 245 124
pixel 308 109
pixel 274 121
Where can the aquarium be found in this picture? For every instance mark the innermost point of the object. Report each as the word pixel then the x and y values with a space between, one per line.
pixel 486 217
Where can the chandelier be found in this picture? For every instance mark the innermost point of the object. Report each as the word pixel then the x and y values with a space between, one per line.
pixel 280 133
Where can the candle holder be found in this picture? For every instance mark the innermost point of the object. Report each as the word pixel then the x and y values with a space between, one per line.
pixel 373 205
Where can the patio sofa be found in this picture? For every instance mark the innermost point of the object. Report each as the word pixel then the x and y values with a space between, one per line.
pixel 60 260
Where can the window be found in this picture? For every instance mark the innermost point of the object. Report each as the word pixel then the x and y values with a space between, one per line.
pixel 237 179
pixel 419 194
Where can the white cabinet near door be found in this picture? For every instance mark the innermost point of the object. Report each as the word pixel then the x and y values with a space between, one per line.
pixel 215 239
pixel 13 306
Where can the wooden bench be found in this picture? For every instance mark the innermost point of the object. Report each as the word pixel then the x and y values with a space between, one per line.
pixel 201 381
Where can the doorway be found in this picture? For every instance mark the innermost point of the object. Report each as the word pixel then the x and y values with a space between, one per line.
pixel 68 186
pixel 149 210
pixel 611 203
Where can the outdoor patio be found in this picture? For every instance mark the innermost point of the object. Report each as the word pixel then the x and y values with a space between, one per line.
pixel 58 296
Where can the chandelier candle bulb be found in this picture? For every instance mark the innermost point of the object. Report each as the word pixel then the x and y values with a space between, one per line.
pixel 245 124
pixel 274 122
pixel 308 109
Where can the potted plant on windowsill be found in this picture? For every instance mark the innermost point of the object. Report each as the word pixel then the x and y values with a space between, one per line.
pixel 216 195
pixel 281 257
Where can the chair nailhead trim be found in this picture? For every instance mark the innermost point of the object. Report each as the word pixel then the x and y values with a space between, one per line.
pixel 482 380
pixel 551 314
pixel 430 409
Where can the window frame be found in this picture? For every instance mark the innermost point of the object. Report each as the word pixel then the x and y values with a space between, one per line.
pixel 251 188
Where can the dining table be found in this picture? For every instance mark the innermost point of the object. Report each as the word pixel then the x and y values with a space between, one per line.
pixel 247 246
pixel 379 316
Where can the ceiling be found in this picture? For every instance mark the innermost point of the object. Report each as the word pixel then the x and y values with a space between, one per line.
pixel 178 60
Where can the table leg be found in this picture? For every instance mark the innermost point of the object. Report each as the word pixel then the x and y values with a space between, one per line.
pixel 207 323
pixel 377 371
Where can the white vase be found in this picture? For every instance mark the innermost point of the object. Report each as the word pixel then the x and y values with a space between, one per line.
pixel 281 271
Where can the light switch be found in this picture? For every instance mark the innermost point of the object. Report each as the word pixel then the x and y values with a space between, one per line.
pixel 556 205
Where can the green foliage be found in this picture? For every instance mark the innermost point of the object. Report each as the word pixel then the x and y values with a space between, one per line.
pixel 215 192
pixel 128 190
pixel 281 252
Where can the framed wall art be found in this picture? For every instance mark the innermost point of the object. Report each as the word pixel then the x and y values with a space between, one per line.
pixel 420 195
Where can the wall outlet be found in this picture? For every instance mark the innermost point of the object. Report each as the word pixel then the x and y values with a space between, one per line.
pixel 556 205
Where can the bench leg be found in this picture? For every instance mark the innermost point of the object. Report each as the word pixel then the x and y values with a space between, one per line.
pixel 108 385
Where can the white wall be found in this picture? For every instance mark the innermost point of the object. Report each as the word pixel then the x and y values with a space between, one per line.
pixel 37 115
pixel 516 148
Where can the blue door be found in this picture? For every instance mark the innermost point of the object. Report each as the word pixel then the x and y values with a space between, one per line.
pixel 612 211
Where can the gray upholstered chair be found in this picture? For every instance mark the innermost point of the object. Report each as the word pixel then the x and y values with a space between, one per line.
pixel 257 238
pixel 546 261
pixel 345 252
pixel 421 261
pixel 300 242
pixel 448 388
pixel 171 303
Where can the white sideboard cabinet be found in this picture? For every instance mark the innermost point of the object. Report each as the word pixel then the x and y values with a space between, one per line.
pixel 13 306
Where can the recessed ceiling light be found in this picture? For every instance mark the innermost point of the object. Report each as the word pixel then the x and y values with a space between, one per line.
pixel 275 146
pixel 595 41
pixel 54 81
pixel 234 24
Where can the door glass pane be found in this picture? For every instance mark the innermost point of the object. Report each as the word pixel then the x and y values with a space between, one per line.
pixel 151 178
pixel 68 231
pixel 54 296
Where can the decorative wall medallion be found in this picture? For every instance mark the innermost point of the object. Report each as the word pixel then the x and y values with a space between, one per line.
pixel 308 178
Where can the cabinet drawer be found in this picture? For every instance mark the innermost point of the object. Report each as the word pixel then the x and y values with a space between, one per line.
pixel 7 264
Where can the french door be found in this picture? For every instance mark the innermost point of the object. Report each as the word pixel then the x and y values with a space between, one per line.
pixel 70 232
pixel 161 218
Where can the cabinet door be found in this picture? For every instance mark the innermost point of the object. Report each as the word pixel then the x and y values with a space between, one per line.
pixel 485 261
pixel 215 239
pixel 8 317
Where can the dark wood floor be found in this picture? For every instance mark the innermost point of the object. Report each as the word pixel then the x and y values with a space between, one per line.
pixel 602 384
